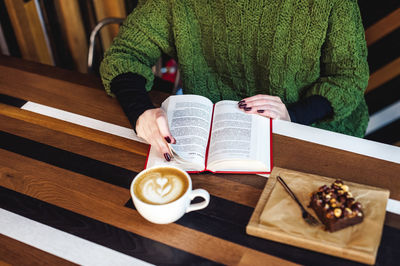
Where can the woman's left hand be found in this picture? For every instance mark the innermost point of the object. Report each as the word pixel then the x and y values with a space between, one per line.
pixel 265 105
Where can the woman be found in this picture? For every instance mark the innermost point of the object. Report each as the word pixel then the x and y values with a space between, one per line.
pixel 297 60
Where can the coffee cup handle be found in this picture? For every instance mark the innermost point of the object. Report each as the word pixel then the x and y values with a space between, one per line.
pixel 201 205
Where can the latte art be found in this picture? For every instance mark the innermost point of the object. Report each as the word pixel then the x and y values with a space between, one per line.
pixel 161 187
pixel 163 194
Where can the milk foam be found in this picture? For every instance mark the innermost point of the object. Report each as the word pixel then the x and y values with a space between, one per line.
pixel 160 189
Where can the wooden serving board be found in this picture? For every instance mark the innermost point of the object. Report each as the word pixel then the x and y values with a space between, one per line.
pixel 278 218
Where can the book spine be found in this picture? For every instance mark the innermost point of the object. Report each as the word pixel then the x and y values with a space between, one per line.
pixel 209 138
pixel 241 172
pixel 147 158
pixel 270 145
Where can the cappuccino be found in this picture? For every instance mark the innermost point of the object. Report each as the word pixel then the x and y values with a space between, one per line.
pixel 161 185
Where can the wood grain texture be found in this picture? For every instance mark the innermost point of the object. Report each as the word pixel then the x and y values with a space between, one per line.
pixel 228 189
pixel 392 220
pixel 39 35
pixel 64 95
pixel 253 259
pixel 61 139
pixel 29 31
pixel 14 252
pixel 246 194
pixel 66 167
pixel 383 75
pixel 72 25
pixel 288 152
pixel 75 130
pixel 383 27
pixel 256 181
pixel 233 190
pixel 106 9
pixel 96 232
pixel 88 80
pixel 314 158
pixel 3 263
pixel 26 174
pixel 326 161
pixel 220 220
pixel 174 235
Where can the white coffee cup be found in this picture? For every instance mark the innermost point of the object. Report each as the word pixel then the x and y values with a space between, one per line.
pixel 162 194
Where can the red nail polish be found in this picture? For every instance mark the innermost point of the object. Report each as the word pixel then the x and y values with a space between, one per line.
pixel 247 108
pixel 167 139
pixel 260 111
pixel 167 157
pixel 240 102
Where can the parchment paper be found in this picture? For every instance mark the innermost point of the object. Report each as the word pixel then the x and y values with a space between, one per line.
pixel 282 214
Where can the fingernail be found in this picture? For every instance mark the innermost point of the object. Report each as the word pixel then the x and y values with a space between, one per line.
pixel 167 139
pixel 260 111
pixel 242 101
pixel 241 106
pixel 167 157
pixel 247 108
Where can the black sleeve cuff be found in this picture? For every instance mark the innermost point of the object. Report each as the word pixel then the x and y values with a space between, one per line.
pixel 310 110
pixel 130 91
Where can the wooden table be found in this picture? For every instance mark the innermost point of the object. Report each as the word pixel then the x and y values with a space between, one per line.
pixel 65 187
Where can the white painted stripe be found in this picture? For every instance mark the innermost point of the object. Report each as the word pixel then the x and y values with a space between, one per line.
pixel 82 120
pixel 383 117
pixel 311 134
pixel 339 141
pixel 315 135
pixel 61 244
pixel 73 248
pixel 393 206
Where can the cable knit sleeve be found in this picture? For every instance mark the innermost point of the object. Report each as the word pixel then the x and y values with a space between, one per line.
pixel 142 37
pixel 344 67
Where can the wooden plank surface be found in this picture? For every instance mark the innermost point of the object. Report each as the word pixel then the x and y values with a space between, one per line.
pixel 92 205
pixel 383 27
pixel 246 194
pixel 75 130
pixel 29 31
pixel 314 158
pixel 25 174
pixel 88 80
pixel 13 252
pixel 64 175
pixel 105 9
pixel 72 25
pixel 383 75
pixel 64 95
pixel 322 160
pixel 73 143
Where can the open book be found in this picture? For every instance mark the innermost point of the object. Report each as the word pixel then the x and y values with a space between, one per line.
pixel 219 137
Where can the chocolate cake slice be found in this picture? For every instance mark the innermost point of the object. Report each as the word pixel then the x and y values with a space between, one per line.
pixel 335 206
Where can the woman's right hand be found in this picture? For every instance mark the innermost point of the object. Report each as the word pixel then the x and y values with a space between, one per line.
pixel 152 126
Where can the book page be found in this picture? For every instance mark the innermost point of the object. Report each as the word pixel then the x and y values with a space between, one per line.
pixel 238 137
pixel 189 119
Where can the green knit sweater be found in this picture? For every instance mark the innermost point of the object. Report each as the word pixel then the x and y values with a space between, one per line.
pixel 231 49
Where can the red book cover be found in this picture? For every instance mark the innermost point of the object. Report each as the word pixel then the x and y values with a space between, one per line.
pixel 228 172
